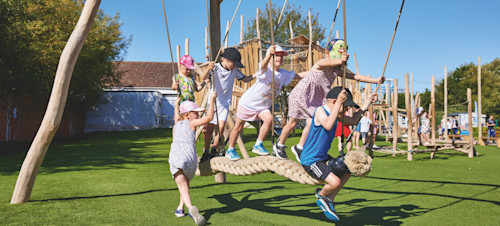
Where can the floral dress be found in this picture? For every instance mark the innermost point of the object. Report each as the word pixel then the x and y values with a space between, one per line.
pixel 310 93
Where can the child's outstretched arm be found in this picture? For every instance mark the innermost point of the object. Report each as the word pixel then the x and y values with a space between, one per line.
pixel 328 63
pixel 362 78
pixel 204 76
pixel 329 122
pixel 176 110
pixel 174 83
pixel 267 58
pixel 354 120
pixel 208 117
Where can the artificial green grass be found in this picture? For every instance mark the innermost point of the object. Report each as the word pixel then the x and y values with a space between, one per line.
pixel 122 178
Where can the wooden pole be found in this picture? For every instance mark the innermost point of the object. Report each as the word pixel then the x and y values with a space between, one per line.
pixel 408 115
pixel 310 41
pixel 241 28
pixel 471 131
pixel 395 123
pixel 55 107
pixel 337 34
pixel 207 54
pixel 186 47
pixel 414 108
pixel 387 112
pixel 372 126
pixel 258 35
pixel 445 118
pixel 432 111
pixel 479 106
pixel 227 30
pixel 178 48
pixel 291 30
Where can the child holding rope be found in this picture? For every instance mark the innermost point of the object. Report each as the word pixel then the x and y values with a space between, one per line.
pixel 185 82
pixel 315 159
pixel 311 91
pixel 182 157
pixel 223 78
pixel 255 103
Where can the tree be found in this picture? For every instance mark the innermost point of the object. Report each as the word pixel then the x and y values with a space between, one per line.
pixel 300 23
pixel 33 34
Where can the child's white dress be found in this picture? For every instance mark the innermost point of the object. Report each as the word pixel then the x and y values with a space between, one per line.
pixel 183 150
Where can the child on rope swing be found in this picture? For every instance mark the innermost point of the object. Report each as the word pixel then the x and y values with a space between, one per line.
pixel 255 103
pixel 311 91
pixel 224 74
pixel 184 82
pixel 182 158
pixel 315 159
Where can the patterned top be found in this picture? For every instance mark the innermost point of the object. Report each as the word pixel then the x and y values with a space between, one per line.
pixel 424 124
pixel 310 93
pixel 186 87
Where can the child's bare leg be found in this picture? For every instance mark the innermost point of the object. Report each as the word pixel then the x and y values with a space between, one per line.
pixel 287 129
pixel 267 120
pixel 238 126
pixel 181 203
pixel 218 134
pixel 305 132
pixel 183 185
pixel 334 184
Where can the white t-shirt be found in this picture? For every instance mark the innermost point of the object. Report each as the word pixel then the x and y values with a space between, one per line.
pixel 259 96
pixel 365 124
pixel 223 83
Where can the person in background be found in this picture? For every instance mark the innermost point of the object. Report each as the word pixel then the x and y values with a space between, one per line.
pixel 491 129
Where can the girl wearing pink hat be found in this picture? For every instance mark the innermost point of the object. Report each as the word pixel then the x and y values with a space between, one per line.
pixel 184 81
pixel 182 158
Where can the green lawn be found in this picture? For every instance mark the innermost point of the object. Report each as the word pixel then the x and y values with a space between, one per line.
pixel 122 178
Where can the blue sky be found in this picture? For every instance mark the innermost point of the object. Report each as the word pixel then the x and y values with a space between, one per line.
pixel 431 33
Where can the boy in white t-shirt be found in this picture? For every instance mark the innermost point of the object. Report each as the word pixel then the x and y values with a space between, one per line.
pixel 255 103
pixel 365 127
pixel 224 74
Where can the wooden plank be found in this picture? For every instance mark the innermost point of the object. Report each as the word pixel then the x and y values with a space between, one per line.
pixel 471 131
pixel 408 115
pixel 395 124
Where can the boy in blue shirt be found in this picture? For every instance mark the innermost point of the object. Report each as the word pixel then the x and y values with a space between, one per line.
pixel 314 157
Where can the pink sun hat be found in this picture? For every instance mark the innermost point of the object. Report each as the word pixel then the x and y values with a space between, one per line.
pixel 189 106
pixel 187 61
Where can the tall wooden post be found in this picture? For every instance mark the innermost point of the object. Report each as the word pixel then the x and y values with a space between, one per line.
pixel 432 111
pixel 241 28
pixel 186 47
pixel 387 101
pixel 408 115
pixel 291 30
pixel 471 131
pixel 57 102
pixel 310 41
pixel 215 46
pixel 207 55
pixel 395 123
pixel 372 126
pixel 227 39
pixel 479 106
pixel 258 35
pixel 414 108
pixel 445 118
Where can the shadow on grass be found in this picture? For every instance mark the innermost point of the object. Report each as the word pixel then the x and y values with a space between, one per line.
pixel 155 190
pixel 103 150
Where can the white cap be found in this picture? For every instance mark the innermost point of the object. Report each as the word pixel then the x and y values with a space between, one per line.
pixel 279 49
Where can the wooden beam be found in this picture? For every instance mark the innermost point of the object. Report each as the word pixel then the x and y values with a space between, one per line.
pixel 479 105
pixel 310 41
pixel 432 110
pixel 445 103
pixel 408 115
pixel 471 131
pixel 214 27
pixel 395 124
pixel 186 47
pixel 241 28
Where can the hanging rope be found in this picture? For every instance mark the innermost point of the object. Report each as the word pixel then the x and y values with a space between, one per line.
pixel 343 82
pixel 170 47
pixel 333 23
pixel 383 72
pixel 273 91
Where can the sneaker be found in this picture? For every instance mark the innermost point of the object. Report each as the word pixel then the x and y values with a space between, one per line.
pixel 180 213
pixel 260 150
pixel 197 217
pixel 326 205
pixel 279 151
pixel 232 155
pixel 296 151
pixel 316 193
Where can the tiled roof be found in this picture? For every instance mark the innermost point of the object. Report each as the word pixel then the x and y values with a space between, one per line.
pixel 146 74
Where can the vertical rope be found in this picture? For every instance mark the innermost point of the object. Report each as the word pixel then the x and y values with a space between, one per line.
pixel 272 43
pixel 343 81
pixel 170 47
pixel 333 23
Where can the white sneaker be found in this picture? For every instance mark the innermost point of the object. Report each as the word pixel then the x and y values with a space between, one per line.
pixel 197 217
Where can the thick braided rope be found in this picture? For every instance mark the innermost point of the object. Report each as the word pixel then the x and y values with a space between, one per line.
pixel 283 167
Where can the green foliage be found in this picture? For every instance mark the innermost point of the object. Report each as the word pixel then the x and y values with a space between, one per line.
pixel 33 34
pixel 299 19
pixel 465 77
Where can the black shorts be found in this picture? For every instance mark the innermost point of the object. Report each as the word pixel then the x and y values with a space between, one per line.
pixel 319 170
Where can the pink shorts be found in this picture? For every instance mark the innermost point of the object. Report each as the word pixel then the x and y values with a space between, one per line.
pixel 249 115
